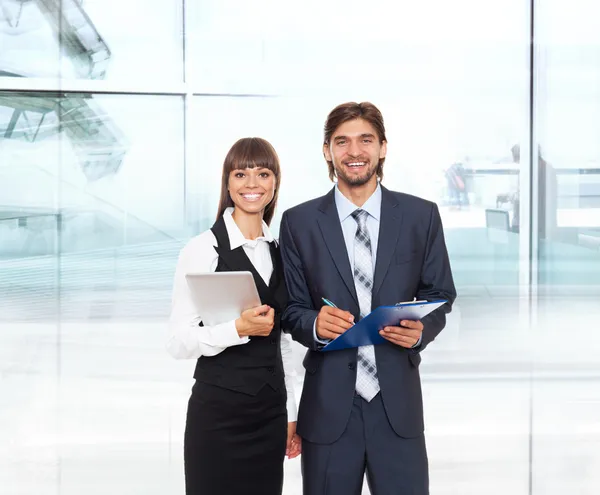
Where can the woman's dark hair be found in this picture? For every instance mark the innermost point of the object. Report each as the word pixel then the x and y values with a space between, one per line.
pixel 252 152
pixel 350 111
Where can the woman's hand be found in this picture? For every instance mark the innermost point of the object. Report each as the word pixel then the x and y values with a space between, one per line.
pixel 256 322
pixel 294 442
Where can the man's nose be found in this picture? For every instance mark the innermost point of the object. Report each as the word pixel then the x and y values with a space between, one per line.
pixel 354 149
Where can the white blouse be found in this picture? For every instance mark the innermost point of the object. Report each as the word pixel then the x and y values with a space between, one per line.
pixel 187 340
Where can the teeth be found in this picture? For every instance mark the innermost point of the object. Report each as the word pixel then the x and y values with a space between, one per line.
pixel 356 164
pixel 251 196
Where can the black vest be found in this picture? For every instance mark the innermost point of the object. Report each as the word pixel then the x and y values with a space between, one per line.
pixel 248 367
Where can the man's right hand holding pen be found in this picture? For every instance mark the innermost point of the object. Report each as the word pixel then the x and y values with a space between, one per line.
pixel 332 321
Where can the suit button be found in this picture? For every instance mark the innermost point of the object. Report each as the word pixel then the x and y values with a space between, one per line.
pixel 270 369
pixel 351 366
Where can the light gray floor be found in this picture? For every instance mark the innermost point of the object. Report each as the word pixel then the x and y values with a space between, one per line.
pixel 512 401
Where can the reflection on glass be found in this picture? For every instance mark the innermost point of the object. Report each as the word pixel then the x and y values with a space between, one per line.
pixel 566 392
pixel 28 44
pixel 97 181
pixel 99 144
pixel 96 40
pixel 81 42
pixel 569 166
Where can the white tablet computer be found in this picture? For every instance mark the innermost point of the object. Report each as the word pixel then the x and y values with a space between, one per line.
pixel 222 296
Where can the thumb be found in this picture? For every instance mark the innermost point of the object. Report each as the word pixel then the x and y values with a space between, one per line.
pixel 261 309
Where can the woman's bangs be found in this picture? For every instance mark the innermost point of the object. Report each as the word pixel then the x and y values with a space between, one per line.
pixel 254 154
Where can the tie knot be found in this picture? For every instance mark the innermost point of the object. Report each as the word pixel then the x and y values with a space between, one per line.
pixel 360 216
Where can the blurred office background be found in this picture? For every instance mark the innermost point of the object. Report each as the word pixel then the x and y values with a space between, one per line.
pixel 115 118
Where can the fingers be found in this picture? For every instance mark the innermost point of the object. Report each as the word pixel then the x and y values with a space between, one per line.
pixel 261 310
pixel 326 334
pixel 334 325
pixel 401 331
pixel 267 317
pixel 402 341
pixel 259 320
pixel 404 337
pixel 332 322
pixel 415 325
pixel 328 330
pixel 337 313
pixel 295 448
pixel 291 449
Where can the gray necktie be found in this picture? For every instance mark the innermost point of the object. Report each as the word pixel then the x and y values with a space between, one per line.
pixel 367 384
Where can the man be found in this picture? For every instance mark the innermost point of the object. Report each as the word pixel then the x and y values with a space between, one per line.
pixel 362 246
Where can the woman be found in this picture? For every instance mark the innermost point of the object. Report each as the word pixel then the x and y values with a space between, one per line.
pixel 236 436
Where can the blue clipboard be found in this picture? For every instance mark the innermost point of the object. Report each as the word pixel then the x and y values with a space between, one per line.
pixel 366 331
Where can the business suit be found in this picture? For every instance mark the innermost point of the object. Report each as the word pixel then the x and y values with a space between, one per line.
pixel 411 261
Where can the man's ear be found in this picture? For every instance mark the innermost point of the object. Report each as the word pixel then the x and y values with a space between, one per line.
pixel 383 150
pixel 327 152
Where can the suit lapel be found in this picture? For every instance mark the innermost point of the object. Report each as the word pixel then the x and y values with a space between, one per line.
pixel 331 229
pixel 389 231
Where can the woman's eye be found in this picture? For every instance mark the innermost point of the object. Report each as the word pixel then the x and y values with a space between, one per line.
pixel 264 175
pixel 239 175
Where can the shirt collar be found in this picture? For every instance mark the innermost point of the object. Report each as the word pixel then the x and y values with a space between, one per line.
pixel 345 207
pixel 236 238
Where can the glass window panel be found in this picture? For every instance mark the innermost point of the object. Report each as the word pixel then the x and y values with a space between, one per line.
pixel 130 42
pixel 315 46
pixel 99 181
pixel 91 212
pixel 569 168
pixel 28 41
pixel 29 205
pixel 29 291
pixel 565 448
pixel 122 190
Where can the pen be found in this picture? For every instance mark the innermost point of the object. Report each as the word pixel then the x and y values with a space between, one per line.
pixel 328 302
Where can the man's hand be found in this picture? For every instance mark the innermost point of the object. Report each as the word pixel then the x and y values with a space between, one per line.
pixel 294 443
pixel 406 335
pixel 332 322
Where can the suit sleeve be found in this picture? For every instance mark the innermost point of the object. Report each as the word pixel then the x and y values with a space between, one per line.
pixel 436 280
pixel 299 316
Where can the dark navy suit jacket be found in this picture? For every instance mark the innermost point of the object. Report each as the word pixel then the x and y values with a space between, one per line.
pixel 412 261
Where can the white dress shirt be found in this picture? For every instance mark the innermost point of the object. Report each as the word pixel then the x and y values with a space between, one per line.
pixel 188 340
pixel 345 208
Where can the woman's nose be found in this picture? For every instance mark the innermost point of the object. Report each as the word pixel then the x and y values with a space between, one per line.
pixel 251 182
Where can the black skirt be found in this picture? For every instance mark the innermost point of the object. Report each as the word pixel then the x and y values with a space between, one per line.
pixel 235 443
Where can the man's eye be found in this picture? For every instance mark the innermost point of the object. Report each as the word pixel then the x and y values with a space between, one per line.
pixel 367 140
pixel 341 142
